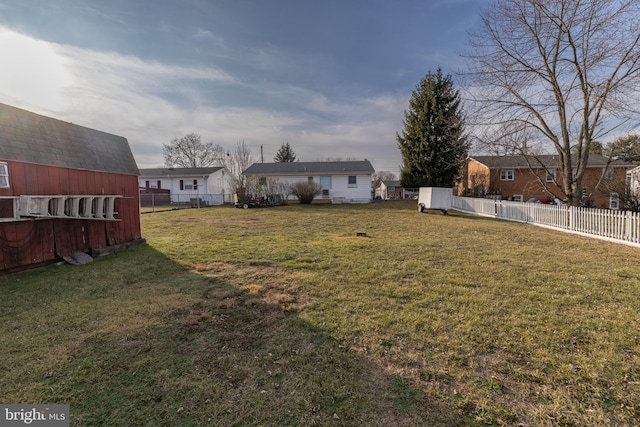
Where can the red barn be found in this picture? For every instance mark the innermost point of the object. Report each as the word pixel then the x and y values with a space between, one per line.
pixel 64 189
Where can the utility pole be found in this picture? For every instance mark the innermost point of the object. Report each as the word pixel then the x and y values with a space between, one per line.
pixel 261 154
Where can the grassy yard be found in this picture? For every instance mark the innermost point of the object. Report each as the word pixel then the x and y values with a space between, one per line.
pixel 284 316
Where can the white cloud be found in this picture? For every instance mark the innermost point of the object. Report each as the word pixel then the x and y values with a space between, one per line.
pixel 208 35
pixel 151 102
pixel 32 70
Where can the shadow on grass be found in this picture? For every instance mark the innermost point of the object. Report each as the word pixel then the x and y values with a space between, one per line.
pixel 135 339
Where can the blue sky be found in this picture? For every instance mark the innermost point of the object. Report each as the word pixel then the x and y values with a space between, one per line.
pixel 332 78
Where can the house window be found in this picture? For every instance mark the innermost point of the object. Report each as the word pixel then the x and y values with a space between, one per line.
pixel 325 182
pixel 584 194
pixel 4 175
pixel 352 181
pixel 151 184
pixel 310 179
pixel 614 202
pixel 608 173
pixel 551 175
pixel 517 198
pixel 262 180
pixel 506 175
pixel 188 185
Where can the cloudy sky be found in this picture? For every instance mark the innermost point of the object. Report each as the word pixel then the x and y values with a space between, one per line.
pixel 332 77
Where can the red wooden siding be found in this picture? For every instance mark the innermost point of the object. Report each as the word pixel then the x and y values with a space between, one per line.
pixel 37 241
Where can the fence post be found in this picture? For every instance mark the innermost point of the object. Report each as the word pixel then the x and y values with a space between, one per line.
pixel 571 218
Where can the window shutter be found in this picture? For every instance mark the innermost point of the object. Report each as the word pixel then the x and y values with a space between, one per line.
pixel 182 184
pixel 147 184
pixel 195 184
pixel 159 186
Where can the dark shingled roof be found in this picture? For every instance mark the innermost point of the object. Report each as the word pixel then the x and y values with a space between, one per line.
pixel 549 160
pixel 155 172
pixel 303 168
pixel 31 138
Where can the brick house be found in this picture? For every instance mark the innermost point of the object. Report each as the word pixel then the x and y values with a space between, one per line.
pixel 519 178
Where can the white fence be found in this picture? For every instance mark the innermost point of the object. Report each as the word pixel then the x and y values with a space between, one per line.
pixel 616 226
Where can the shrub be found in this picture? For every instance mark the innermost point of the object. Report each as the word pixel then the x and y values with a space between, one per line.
pixel 305 191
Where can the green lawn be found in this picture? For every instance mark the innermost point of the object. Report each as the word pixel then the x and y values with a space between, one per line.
pixel 284 316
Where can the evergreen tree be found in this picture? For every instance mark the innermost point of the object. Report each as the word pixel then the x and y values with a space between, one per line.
pixel 432 144
pixel 625 148
pixel 285 154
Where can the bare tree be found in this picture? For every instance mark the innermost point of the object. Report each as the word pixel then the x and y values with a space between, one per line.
pixel 236 162
pixel 190 152
pixel 380 176
pixel 564 71
pixel 305 191
pixel 279 188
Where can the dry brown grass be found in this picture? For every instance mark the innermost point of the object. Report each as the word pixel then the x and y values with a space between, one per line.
pixel 285 316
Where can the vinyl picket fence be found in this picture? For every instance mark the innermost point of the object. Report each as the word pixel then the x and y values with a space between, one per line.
pixel 616 226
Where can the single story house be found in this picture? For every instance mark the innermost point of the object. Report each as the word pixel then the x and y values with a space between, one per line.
pixel 341 181
pixel 199 186
pixel 518 178
pixel 390 190
pixel 64 189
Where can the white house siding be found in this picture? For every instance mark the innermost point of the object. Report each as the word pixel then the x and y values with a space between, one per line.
pixel 358 193
pixel 339 171
pixel 633 179
pixel 340 191
pixel 213 189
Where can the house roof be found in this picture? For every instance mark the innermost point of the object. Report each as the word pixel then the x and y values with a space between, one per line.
pixel 549 160
pixel 391 183
pixel 160 172
pixel 304 168
pixel 31 138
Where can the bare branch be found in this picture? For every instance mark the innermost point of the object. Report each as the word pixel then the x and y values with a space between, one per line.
pixel 566 70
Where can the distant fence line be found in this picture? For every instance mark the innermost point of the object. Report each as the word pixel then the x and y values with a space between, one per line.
pixel 196 200
pixel 606 224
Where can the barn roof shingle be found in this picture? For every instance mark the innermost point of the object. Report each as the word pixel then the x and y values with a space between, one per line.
pixel 32 138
